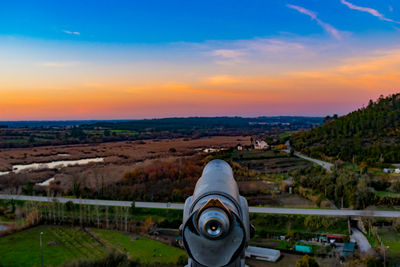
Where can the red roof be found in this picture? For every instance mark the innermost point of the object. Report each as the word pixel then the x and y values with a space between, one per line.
pixel 334 236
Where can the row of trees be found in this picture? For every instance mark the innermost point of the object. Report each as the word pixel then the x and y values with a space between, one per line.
pixel 346 187
pixel 128 219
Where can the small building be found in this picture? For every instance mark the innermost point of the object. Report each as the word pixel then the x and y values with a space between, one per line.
pixel 302 248
pixel 211 150
pixel 260 145
pixel 348 249
pixel 332 238
pixel 385 170
pixel 239 147
pixel 265 254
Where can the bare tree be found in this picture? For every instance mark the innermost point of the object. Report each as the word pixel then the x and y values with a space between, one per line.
pixel 107 224
pixel 126 218
pixel 80 211
pixel 97 215
pixel 88 214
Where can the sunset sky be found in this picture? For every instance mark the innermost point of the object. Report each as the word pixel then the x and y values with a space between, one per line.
pixel 144 59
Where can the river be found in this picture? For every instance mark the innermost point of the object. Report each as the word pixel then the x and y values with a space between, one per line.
pixel 51 165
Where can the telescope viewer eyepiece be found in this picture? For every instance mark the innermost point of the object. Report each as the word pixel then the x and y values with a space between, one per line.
pixel 213 223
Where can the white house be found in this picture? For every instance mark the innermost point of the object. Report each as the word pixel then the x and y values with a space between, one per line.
pixel 211 150
pixel 261 145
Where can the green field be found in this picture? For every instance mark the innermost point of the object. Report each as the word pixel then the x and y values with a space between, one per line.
pixel 391 239
pixel 62 244
pixel 22 249
pixel 146 250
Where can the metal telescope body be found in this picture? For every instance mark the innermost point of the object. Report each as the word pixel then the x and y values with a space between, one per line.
pixel 216 228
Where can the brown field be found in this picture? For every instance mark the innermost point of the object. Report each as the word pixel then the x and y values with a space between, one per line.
pixel 119 158
pixel 275 165
pixel 116 151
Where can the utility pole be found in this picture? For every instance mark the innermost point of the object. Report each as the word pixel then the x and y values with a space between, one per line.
pixel 41 249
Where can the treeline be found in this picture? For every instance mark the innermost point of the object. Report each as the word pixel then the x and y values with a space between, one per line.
pixel 369 135
pixel 129 219
pixel 163 181
pixel 109 131
pixel 346 188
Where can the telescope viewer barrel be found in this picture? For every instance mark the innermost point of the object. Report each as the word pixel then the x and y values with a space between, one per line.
pixel 216 229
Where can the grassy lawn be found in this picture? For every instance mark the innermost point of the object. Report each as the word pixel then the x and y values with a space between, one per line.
pixel 146 250
pixel 23 249
pixel 391 239
pixel 62 244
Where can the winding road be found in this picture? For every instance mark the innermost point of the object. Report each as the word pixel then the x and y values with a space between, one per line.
pixel 326 165
pixel 362 241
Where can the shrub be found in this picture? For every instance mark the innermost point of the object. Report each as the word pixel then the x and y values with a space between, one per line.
pixel 112 258
pixel 306 261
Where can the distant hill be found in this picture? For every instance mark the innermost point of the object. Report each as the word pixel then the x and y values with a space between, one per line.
pixel 213 124
pixel 370 135
pixel 40 133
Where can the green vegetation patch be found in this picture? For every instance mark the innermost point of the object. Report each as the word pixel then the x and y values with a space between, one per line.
pixel 59 245
pixel 145 250
pixel 391 239
pixel 387 194
pixel 62 244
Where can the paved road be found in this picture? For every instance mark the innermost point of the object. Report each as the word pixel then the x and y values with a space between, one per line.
pixel 326 165
pixel 362 241
pixel 159 205
pixel 99 202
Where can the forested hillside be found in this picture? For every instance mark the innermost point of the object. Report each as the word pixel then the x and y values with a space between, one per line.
pixel 369 135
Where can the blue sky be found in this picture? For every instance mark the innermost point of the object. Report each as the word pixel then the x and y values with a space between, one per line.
pixel 146 22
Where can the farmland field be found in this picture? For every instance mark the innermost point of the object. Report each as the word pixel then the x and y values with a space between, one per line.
pixel 61 244
pixel 269 162
pixel 146 250
pixel 391 239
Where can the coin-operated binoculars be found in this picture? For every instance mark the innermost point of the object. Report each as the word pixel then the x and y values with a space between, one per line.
pixel 216 228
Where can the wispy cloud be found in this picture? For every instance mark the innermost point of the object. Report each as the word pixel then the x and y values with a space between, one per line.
pixel 71 32
pixel 327 27
pixel 271 45
pixel 228 53
pixel 228 56
pixel 369 10
pixel 58 64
